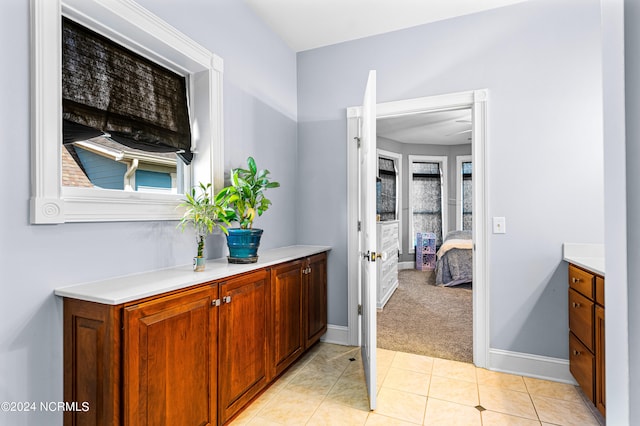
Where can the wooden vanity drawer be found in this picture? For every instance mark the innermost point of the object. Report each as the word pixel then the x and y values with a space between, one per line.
pixel 581 364
pixel 600 290
pixel 581 281
pixel 581 318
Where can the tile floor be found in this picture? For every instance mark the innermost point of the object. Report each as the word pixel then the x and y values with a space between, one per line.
pixel 327 387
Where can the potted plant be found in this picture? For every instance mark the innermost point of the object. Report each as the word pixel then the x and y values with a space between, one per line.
pixel 242 201
pixel 204 215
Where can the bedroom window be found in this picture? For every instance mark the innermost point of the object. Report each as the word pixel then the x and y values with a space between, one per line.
pixel 427 192
pixel 148 184
pixel 464 193
pixel 388 178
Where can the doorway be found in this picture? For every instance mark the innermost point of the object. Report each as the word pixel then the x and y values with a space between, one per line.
pixel 476 101
pixel 426 307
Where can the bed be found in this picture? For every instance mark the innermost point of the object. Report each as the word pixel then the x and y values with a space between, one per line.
pixel 454 263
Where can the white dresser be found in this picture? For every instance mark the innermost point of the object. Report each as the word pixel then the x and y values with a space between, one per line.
pixel 387 234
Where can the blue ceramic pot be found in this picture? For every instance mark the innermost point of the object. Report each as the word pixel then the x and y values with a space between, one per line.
pixel 243 245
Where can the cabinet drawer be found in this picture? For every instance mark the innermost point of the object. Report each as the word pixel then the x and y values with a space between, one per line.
pixel 581 281
pixel 600 291
pixel 581 318
pixel 581 365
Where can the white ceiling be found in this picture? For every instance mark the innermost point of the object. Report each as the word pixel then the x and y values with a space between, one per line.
pixel 434 128
pixel 307 24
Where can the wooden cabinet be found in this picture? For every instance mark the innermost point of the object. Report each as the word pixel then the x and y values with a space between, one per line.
pixel 586 333
pixel 287 326
pixel 243 345
pixel 315 298
pixel 191 356
pixel 387 269
pixel 170 359
pixel 299 305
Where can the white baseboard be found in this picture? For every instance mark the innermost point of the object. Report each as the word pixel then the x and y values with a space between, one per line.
pixel 337 334
pixel 540 367
pixel 406 265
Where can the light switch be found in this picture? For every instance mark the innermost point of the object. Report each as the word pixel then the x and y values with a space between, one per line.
pixel 499 225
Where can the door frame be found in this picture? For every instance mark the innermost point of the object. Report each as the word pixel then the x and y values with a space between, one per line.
pixel 476 100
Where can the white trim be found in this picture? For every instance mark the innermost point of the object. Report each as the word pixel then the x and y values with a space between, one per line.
pixel 337 334
pixel 397 159
pixel 523 364
pixel 459 160
pixel 442 160
pixel 477 100
pixel 134 27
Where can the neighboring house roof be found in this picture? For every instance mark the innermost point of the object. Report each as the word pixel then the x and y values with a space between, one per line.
pixel 109 148
pixel 72 172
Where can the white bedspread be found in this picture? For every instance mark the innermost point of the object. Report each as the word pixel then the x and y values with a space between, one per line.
pixel 452 244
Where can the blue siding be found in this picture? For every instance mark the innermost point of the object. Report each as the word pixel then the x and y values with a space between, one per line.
pixel 102 172
pixel 152 179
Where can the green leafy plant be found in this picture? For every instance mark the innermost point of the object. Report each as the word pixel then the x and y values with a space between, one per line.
pixel 244 198
pixel 203 214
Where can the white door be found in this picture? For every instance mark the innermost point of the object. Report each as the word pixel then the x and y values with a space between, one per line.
pixel 367 158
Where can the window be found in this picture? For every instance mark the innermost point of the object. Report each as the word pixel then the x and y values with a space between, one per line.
pixel 390 200
pixel 427 180
pixel 154 184
pixel 464 193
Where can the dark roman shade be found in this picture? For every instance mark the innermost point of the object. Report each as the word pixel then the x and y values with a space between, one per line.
pixel 109 89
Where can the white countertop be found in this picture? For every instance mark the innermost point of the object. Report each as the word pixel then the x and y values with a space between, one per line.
pixel 115 291
pixel 588 256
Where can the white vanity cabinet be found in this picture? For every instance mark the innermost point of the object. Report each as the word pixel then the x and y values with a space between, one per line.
pixel 388 245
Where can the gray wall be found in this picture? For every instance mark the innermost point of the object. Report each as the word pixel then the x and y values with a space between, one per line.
pixel 260 112
pixel 424 149
pixel 541 62
pixel 632 80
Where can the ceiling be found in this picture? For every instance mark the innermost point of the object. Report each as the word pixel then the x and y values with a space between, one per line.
pixel 308 24
pixel 434 128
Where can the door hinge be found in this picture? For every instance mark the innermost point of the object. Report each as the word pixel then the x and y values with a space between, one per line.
pixel 357 139
pixel 359 309
pixel 215 302
pixel 359 226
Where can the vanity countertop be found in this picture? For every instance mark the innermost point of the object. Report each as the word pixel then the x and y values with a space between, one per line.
pixel 587 256
pixel 114 291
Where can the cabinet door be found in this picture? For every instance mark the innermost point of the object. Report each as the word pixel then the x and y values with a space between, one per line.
pixel 243 345
pixel 600 394
pixel 169 360
pixel 287 315
pixel 315 299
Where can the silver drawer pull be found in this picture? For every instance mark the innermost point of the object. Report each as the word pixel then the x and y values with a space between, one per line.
pixel 575 280
pixel 576 353
pixel 576 305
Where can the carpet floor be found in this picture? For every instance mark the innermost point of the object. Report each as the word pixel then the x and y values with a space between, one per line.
pixel 422 318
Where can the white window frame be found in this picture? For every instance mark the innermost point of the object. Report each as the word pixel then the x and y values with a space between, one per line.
pixel 137 29
pixel 459 160
pixel 442 160
pixel 397 160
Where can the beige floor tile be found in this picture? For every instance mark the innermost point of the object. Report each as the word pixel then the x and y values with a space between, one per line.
pixel 454 370
pixel 400 405
pixel 310 382
pixel 493 418
pixel 500 380
pixel 261 422
pixel 551 389
pixel 507 401
pixel 453 390
pixel 333 414
pixel 447 413
pixel 385 356
pixel 380 420
pixel 419 363
pixel 350 391
pixel 564 413
pixel 289 407
pixel 407 380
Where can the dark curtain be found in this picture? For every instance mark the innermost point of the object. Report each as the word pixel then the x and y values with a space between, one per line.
pixel 109 89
